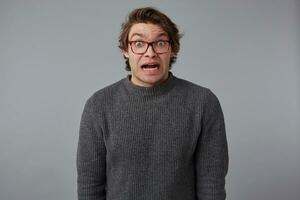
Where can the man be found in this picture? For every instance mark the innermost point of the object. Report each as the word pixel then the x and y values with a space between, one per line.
pixel 151 135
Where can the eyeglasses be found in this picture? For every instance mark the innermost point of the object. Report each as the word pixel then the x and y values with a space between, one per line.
pixel 141 47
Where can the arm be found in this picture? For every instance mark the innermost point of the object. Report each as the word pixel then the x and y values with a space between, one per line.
pixel 211 158
pixel 91 155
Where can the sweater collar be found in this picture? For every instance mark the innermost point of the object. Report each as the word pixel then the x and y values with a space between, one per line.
pixel 157 90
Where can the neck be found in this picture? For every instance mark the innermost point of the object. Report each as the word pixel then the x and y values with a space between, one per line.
pixel 140 83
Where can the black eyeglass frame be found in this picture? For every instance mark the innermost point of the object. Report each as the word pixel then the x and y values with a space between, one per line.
pixel 148 44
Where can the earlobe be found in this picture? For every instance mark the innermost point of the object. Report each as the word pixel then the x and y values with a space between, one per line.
pixel 173 54
pixel 125 53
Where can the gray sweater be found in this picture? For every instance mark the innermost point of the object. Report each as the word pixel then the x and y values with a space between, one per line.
pixel 166 142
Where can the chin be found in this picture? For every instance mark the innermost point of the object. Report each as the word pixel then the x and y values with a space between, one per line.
pixel 153 80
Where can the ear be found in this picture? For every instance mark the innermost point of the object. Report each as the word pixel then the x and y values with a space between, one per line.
pixel 173 54
pixel 125 53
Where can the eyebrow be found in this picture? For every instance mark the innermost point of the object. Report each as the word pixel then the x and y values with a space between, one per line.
pixel 142 35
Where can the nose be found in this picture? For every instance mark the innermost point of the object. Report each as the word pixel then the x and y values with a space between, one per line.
pixel 150 52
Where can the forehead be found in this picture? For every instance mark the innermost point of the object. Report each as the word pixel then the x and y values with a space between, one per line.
pixel 147 31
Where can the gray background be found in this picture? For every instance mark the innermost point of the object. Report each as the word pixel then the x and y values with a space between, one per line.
pixel 55 54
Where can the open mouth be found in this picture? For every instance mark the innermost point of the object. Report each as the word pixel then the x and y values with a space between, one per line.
pixel 150 66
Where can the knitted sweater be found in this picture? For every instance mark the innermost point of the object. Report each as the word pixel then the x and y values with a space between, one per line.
pixel 165 142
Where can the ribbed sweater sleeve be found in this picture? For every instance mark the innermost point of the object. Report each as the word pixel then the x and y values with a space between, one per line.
pixel 211 156
pixel 91 154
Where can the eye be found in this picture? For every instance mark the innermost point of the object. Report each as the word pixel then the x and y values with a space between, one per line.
pixel 139 44
pixel 161 44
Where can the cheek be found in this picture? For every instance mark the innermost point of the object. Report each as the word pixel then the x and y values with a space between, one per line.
pixel 137 58
pixel 167 59
pixel 134 61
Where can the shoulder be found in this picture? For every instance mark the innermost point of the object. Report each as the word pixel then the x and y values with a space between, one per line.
pixel 189 88
pixel 103 97
pixel 201 97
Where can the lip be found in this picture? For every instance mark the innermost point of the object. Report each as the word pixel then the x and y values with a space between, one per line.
pixel 152 71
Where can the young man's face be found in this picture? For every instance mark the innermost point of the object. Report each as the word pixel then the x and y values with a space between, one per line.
pixel 150 68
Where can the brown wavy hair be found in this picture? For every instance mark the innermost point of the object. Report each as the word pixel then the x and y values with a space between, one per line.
pixel 153 16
